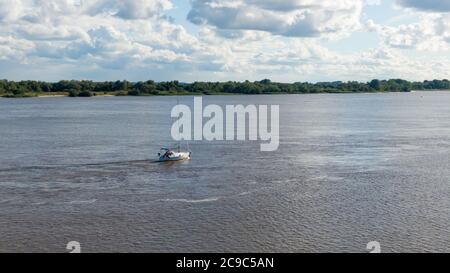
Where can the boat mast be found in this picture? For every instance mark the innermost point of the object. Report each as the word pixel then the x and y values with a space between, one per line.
pixel 178 103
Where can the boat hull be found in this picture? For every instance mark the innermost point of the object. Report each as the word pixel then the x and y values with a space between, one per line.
pixel 176 157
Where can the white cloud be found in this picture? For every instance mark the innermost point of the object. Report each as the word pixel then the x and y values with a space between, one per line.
pixel 14 49
pixel 109 34
pixel 259 55
pixel 236 40
pixel 10 10
pixel 431 32
pixel 126 9
pixel 296 18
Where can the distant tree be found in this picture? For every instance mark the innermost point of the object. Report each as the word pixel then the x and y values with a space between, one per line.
pixel 134 93
pixel 73 93
pixel 375 84
pixel 85 94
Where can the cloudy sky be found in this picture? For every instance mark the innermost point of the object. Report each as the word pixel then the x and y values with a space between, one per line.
pixel 219 40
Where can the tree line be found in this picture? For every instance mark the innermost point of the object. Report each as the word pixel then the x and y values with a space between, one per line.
pixel 90 88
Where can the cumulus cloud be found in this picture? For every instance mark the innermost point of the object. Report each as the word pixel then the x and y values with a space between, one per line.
pixel 14 49
pixel 107 33
pixel 234 40
pixel 297 18
pixel 10 10
pixel 136 9
pixel 430 33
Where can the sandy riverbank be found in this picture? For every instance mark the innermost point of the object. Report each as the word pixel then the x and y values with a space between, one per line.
pixel 59 96
pixel 51 96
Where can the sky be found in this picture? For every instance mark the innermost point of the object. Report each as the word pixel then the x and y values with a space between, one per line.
pixel 223 40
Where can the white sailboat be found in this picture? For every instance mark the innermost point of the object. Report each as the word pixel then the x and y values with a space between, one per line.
pixel 168 155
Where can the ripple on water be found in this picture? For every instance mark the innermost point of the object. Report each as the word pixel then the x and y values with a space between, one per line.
pixel 82 202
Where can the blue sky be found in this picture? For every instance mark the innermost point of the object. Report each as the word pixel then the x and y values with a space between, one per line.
pixel 221 40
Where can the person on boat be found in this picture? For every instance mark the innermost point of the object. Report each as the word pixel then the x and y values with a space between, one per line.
pixel 168 154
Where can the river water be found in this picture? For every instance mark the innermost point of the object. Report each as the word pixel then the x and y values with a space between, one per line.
pixel 351 169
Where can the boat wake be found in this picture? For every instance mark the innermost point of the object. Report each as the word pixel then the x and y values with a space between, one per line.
pixel 50 167
pixel 207 200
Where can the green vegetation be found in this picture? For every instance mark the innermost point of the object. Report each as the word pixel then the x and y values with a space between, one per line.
pixel 151 88
pixel 84 93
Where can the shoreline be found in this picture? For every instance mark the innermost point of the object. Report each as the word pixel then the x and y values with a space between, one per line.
pixel 51 96
pixel 30 96
pixel 67 96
